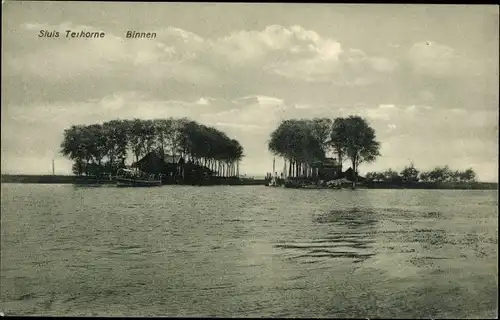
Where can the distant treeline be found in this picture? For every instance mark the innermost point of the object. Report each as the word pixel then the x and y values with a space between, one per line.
pixel 99 149
pixel 412 175
pixel 431 185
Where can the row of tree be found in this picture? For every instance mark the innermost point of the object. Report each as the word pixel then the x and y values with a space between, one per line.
pixel 302 143
pixel 411 175
pixel 103 148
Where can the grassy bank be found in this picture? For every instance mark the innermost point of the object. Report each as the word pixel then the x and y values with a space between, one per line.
pixel 62 179
pixel 49 179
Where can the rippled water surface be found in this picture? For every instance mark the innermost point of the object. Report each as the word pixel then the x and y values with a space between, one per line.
pixel 248 251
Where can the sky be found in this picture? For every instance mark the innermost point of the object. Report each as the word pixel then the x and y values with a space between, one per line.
pixel 424 76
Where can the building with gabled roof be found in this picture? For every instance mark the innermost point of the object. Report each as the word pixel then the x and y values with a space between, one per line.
pixel 328 169
pixel 155 162
pixel 170 165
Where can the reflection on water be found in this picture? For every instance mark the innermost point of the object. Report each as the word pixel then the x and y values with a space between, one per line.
pixel 353 218
pixel 248 251
pixel 349 234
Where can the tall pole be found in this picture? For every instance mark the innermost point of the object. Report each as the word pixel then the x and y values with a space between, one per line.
pixel 53 168
pixel 274 162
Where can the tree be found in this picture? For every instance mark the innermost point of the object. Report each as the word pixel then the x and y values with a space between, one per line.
pixel 410 174
pixel 374 176
pixel 279 142
pixel 424 176
pixel 321 129
pixel 337 142
pixel 468 175
pixel 354 138
pixel 164 130
pixel 463 176
pixel 390 175
pixel 134 132
pixel 445 174
pixel 440 174
pixel 115 133
pixel 86 145
pixel 148 136
pixel 236 156
pixel 95 147
pixel 301 142
pixel 78 167
pixel 72 147
pixel 98 137
pixel 370 176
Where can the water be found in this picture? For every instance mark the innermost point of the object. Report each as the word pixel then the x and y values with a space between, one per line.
pixel 248 251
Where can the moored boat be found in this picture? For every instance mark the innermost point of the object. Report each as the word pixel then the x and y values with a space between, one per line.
pixel 136 178
pixel 339 183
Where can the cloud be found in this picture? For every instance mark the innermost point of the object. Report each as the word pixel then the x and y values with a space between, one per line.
pixel 252 111
pixel 426 96
pixel 293 52
pixel 247 46
pixel 204 101
pixel 110 57
pixel 387 106
pixel 239 126
pixel 438 60
pixel 383 64
pixel 303 106
pixel 327 61
pixel 117 101
pixel 259 100
pixel 180 55
pixel 432 58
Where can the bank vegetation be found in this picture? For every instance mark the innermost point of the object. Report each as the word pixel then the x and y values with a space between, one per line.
pixel 98 149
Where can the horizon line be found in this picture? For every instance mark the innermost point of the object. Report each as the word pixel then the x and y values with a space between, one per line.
pixel 247 175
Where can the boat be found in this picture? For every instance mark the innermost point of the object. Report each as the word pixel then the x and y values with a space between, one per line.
pixel 274 182
pixel 136 178
pixel 339 183
pixel 305 183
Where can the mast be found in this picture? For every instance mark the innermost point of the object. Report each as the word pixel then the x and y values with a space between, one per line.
pixel 53 168
pixel 274 162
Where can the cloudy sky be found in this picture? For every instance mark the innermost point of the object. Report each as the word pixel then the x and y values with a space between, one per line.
pixel 425 76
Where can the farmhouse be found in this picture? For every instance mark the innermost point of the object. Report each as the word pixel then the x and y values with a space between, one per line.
pixel 328 169
pixel 173 167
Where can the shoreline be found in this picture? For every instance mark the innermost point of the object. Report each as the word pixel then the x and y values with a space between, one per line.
pixel 83 180
pixel 77 180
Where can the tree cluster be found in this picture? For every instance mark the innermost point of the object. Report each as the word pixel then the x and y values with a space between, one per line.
pixel 411 175
pixel 300 143
pixel 304 142
pixel 103 148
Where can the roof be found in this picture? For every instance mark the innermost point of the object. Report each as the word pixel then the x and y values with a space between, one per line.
pixel 167 158
pixel 172 159
pixel 328 162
